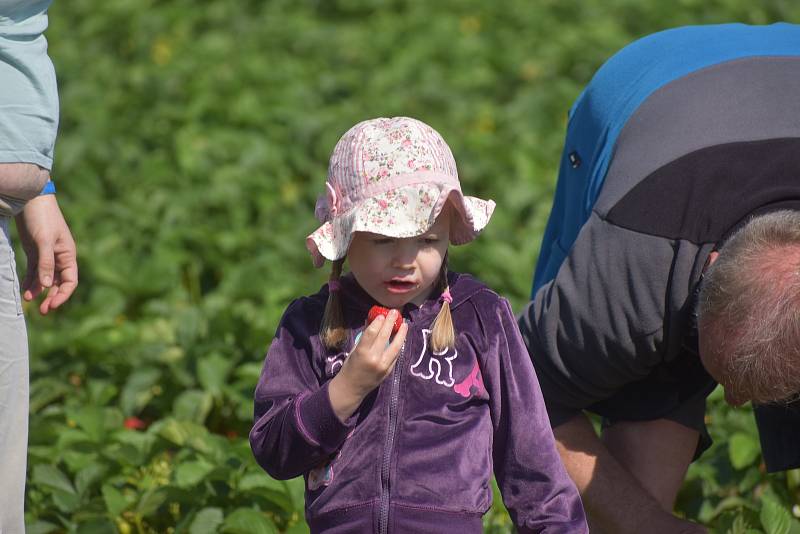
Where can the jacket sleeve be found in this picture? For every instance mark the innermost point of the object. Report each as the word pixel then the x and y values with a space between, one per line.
pixel 779 431
pixel 599 325
pixel 295 426
pixel 534 484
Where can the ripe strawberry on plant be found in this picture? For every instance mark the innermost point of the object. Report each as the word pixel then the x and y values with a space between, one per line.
pixel 380 310
pixel 134 423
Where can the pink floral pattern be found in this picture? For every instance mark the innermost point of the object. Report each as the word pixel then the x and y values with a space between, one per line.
pixel 415 160
pixel 392 148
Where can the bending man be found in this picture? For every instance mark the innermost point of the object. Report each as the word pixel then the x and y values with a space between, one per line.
pixel 671 263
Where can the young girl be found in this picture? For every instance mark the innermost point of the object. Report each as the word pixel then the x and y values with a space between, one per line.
pixel 399 432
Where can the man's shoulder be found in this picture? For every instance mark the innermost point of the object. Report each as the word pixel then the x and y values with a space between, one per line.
pixel 687 48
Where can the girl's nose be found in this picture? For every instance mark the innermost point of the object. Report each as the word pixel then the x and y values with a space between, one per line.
pixel 404 253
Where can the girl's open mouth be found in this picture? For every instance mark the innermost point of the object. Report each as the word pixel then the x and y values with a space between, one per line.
pixel 399 286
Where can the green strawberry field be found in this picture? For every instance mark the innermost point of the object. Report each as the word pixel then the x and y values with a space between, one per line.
pixel 193 143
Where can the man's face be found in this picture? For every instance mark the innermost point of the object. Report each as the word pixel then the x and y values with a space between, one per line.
pixel 396 271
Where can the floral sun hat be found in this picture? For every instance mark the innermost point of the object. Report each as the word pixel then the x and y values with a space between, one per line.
pixel 391 177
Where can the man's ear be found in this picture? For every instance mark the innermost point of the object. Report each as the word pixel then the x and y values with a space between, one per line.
pixel 712 257
pixel 734 399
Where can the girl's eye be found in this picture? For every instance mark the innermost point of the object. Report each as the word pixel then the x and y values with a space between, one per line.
pixel 430 240
pixel 382 241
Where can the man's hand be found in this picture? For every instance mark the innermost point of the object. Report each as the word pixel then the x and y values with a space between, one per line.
pixel 50 250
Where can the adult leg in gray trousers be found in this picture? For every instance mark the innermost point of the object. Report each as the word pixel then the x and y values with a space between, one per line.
pixel 52 269
pixel 13 390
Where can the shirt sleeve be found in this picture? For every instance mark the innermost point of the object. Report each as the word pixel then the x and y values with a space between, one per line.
pixel 779 431
pixel 599 324
pixel 534 484
pixel 295 426
pixel 28 92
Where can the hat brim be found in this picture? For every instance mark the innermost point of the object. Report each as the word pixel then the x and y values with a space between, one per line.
pixel 406 211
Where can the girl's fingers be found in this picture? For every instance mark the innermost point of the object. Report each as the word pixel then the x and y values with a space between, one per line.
pixel 393 349
pixel 371 331
pixel 385 332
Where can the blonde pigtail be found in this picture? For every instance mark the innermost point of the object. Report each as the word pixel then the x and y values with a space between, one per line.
pixel 333 331
pixel 443 334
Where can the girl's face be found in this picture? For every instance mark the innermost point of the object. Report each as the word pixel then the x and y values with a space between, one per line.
pixel 396 271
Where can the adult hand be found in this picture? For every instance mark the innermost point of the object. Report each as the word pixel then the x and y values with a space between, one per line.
pixel 50 250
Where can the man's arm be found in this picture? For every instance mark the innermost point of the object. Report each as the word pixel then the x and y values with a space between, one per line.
pixel 19 183
pixel 615 501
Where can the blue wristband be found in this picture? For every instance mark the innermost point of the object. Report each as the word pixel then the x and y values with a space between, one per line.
pixel 49 188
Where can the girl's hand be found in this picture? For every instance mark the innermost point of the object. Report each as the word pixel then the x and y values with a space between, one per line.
pixel 371 361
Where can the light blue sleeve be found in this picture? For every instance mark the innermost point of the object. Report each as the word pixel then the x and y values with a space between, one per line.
pixel 28 90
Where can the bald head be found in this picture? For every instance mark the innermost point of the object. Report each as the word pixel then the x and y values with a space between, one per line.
pixel 749 311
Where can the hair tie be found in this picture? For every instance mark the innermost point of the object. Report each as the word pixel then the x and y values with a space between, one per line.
pixel 334 285
pixel 446 296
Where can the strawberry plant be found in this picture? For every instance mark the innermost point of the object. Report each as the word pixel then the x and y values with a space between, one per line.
pixel 193 142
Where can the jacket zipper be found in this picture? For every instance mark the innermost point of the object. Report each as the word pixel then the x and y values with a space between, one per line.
pixel 387 451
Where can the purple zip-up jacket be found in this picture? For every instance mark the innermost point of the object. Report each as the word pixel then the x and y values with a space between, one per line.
pixel 417 456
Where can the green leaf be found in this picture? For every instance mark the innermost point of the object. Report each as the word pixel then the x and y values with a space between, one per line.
pixel 297 490
pixel 138 390
pixel 248 521
pixel 751 478
pixel 129 448
pixel 206 521
pixel 90 419
pixel 212 372
pixel 77 461
pixel 188 474
pixel 40 527
pixel 793 479
pixel 151 501
pixel 70 439
pixel 733 502
pixel 776 518
pixel 88 476
pixel 45 391
pixel 193 405
pixel 101 391
pixel 51 477
pixel 141 441
pixel 96 526
pixel 65 501
pixel 185 433
pixel 115 501
pixel 253 480
pixel 743 449
pixel 739 525
pixel 298 527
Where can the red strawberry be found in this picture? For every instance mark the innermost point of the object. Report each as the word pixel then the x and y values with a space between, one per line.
pixel 134 423
pixel 380 310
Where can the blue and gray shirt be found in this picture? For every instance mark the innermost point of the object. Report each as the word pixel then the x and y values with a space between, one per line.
pixel 678 138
